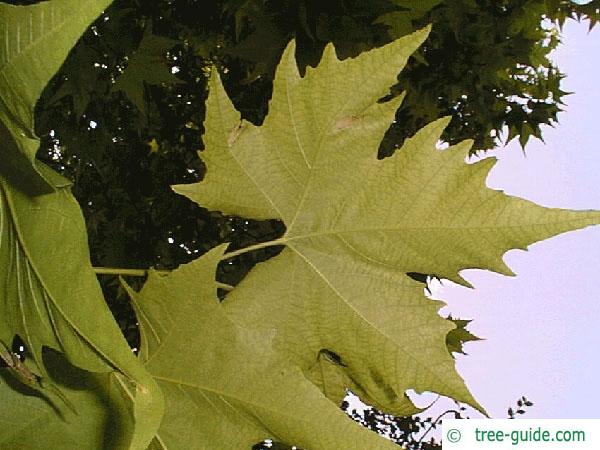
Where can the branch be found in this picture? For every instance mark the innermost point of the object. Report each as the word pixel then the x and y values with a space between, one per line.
pixel 143 273
pixel 434 423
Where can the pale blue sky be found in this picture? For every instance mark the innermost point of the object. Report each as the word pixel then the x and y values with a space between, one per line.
pixel 542 327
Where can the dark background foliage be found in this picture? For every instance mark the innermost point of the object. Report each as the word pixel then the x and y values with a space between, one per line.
pixel 123 119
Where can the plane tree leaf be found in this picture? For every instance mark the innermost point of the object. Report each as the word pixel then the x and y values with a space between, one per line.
pixel 148 65
pixel 400 22
pixel 338 295
pixel 49 295
pixel 49 290
pixel 225 387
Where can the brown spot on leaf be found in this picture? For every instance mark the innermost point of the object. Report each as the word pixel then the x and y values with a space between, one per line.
pixel 345 122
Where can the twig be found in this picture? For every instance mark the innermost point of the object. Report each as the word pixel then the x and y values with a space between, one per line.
pixel 143 273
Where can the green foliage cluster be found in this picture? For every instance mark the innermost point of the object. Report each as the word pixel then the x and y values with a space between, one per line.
pixel 338 307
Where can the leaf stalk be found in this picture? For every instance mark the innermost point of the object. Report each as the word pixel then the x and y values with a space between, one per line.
pixel 261 245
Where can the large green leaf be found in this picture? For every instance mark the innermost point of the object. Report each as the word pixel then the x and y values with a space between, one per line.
pixel 338 295
pixel 49 295
pixel 225 388
pixel 35 41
